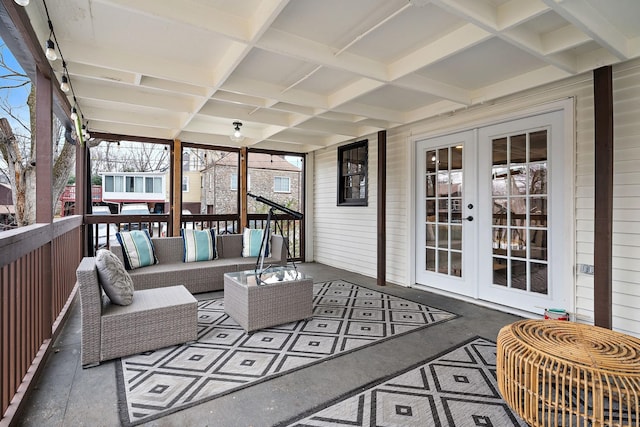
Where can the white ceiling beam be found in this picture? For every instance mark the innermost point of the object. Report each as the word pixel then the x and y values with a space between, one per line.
pixel 592 22
pixel 192 13
pixel 433 87
pixel 563 39
pixel 353 91
pixel 264 15
pixel 128 129
pixel 517 12
pixel 329 127
pixel 157 119
pixel 271 91
pixel 164 68
pixel 435 109
pixel 520 38
pixel 519 83
pixel 358 109
pixel 316 53
pixel 454 42
pixel 121 94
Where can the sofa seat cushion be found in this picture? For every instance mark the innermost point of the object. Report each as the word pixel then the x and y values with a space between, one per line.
pixel 197 277
pixel 157 318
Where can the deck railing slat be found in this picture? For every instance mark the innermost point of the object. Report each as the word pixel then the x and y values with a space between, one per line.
pixel 37 277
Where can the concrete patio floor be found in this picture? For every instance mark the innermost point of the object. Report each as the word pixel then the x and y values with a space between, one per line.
pixel 67 395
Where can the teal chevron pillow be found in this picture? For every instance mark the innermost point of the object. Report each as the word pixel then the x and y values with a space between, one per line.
pixel 137 248
pixel 199 245
pixel 251 241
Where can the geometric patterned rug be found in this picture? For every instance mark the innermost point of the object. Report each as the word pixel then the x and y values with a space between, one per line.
pixel 456 389
pixel 346 317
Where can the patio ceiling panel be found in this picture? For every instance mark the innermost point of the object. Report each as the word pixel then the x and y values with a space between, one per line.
pixel 303 73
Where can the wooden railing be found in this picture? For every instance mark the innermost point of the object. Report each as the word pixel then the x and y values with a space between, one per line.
pixel 286 225
pixel 225 224
pixel 37 284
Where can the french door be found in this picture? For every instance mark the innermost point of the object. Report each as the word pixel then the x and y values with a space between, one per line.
pixel 490 216
pixel 445 224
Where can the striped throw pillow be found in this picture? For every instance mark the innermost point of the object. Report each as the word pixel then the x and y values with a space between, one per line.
pixel 251 241
pixel 137 248
pixel 199 245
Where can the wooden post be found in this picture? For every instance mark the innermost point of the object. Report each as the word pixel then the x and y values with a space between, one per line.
pixel 603 200
pixel 176 187
pixel 244 184
pixel 44 193
pixel 382 207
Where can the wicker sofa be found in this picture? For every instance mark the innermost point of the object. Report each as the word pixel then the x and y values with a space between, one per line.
pixel 156 318
pixel 203 276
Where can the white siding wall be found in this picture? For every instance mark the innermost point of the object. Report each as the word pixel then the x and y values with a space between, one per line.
pixel 346 237
pixel 626 198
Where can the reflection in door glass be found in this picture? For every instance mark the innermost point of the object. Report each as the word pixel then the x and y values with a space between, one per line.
pixel 520 209
pixel 444 203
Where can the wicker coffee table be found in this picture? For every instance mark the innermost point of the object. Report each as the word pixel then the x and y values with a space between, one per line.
pixel 559 373
pixel 279 295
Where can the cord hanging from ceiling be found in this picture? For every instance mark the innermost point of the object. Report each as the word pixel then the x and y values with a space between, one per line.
pixel 66 86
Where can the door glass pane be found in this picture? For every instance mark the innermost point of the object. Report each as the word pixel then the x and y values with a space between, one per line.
pixel 520 209
pixel 518 149
pixel 430 185
pixel 499 151
pixel 539 281
pixel 456 264
pixel 538 178
pixel 430 259
pixel 500 271
pixel 456 237
pixel 430 161
pixel 538 146
pixel 443 262
pixel 443 159
pixel 443 236
pixel 519 275
pixel 444 206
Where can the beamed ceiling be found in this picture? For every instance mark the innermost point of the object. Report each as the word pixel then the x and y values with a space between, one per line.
pixel 305 74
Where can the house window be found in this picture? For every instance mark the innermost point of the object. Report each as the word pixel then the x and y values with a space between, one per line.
pixel 185 184
pixel 234 182
pixel 352 174
pixel 282 184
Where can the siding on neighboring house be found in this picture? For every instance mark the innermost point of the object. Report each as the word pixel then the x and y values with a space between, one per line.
pixel 346 237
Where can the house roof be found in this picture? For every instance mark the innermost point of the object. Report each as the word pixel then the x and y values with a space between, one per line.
pixel 261 161
pixel 301 75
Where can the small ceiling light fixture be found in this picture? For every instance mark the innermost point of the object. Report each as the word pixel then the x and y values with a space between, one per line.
pixel 74 114
pixel 64 85
pixel 237 136
pixel 22 2
pixel 50 53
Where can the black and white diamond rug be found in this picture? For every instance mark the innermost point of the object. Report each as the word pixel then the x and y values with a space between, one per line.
pixel 457 389
pixel 346 317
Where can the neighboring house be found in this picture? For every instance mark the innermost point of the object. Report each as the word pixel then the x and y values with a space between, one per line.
pixel 67 202
pixel 135 187
pixel 7 210
pixel 269 176
pixel 192 165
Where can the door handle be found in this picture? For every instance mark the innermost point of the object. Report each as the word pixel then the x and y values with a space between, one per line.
pixel 469 218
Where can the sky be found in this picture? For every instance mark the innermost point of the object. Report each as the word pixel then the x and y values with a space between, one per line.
pixel 17 97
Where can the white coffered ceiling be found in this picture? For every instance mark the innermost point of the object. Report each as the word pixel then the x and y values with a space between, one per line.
pixel 305 74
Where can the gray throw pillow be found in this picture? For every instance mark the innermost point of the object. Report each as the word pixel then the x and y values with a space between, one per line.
pixel 115 280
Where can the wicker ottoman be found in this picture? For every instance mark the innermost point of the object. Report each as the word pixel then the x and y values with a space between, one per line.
pixel 559 373
pixel 284 295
